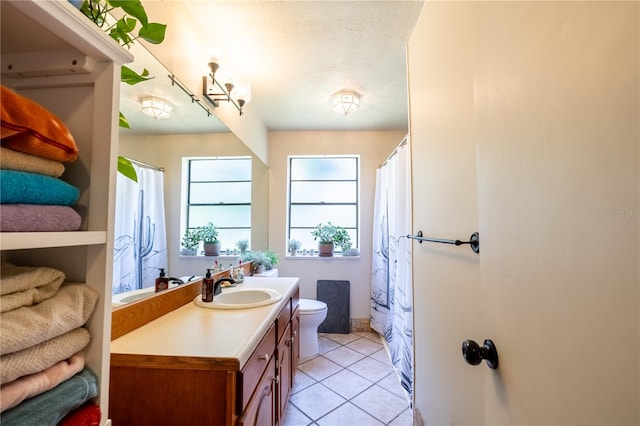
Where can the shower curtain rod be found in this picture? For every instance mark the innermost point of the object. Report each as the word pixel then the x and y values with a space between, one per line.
pixel 148 166
pixel 394 152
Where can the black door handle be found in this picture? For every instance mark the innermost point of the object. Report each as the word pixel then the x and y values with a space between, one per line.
pixel 474 353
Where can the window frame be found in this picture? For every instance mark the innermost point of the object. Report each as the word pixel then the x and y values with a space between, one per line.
pixel 186 192
pixel 356 203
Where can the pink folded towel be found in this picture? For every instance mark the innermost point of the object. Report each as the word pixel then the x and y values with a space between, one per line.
pixel 12 394
pixel 42 356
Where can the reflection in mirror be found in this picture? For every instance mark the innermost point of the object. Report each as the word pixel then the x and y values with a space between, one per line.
pixel 189 131
pixel 187 115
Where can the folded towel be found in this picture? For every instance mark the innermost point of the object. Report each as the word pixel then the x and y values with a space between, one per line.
pixel 29 127
pixel 31 188
pixel 16 160
pixel 52 406
pixel 28 297
pixel 40 357
pixel 12 394
pixel 87 415
pixel 15 278
pixel 28 326
pixel 38 218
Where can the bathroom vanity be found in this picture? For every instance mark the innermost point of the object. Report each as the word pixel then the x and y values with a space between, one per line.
pixel 196 365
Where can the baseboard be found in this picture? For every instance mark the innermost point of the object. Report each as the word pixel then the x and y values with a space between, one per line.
pixel 362 325
pixel 417 418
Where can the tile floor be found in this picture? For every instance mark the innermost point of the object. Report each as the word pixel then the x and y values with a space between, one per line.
pixel 349 383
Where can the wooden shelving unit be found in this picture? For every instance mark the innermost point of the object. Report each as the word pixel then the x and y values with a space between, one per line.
pixel 87 100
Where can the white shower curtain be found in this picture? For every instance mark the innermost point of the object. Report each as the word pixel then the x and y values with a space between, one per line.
pixel 391 278
pixel 140 247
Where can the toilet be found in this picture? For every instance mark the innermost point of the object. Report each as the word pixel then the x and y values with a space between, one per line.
pixel 312 313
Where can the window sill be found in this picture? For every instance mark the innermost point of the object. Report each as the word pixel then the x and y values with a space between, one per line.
pixel 202 256
pixel 316 257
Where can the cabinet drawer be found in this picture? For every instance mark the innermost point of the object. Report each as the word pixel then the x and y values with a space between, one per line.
pixel 283 320
pixel 255 367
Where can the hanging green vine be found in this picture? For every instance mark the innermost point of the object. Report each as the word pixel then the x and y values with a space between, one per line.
pixel 123 31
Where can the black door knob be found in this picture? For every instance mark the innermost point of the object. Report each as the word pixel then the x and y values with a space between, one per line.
pixel 474 353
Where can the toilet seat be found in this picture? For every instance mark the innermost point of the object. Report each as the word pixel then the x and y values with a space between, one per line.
pixel 309 306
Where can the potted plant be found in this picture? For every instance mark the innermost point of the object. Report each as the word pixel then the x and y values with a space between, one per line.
pixel 209 236
pixel 294 246
pixel 273 258
pixel 259 261
pixel 242 245
pixel 330 235
pixel 190 241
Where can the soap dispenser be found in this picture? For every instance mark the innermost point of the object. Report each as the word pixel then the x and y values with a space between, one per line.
pixel 162 282
pixel 207 287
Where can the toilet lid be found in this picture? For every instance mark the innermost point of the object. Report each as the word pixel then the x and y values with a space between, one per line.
pixel 309 306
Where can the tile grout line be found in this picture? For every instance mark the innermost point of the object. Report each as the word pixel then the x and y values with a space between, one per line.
pixel 369 386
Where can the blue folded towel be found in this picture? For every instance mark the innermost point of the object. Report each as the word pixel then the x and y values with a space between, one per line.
pixel 18 187
pixel 50 407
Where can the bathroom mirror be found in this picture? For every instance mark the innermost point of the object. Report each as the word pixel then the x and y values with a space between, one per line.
pixel 191 130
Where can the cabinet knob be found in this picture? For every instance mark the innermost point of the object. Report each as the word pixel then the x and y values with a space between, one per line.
pixel 265 357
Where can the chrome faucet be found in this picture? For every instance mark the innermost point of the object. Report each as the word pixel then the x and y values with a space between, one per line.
pixel 217 286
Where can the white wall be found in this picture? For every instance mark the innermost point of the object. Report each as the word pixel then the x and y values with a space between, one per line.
pixel 543 97
pixel 373 148
pixel 167 151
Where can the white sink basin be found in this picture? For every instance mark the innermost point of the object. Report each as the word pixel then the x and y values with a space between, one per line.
pixel 132 296
pixel 241 298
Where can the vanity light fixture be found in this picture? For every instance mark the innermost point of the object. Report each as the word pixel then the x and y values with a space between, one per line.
pixel 215 92
pixel 156 107
pixel 345 102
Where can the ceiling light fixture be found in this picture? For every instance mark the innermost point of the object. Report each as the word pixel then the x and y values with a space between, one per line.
pixel 217 91
pixel 345 102
pixel 156 107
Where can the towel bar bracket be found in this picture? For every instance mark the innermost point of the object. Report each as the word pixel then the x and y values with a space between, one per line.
pixel 474 241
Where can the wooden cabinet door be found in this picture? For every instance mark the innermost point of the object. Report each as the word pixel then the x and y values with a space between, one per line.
pixel 295 343
pixel 285 379
pixel 261 409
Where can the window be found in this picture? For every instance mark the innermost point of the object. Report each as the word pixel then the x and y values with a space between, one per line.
pixel 218 190
pixel 323 189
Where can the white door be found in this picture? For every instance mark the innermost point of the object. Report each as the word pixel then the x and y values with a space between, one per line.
pixel 541 100
pixel 557 141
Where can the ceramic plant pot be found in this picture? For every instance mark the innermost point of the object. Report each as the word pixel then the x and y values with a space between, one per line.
pixel 212 249
pixel 325 250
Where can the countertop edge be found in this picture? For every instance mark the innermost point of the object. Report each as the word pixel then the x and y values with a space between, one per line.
pixel 126 350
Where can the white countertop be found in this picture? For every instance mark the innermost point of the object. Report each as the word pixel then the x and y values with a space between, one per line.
pixel 193 331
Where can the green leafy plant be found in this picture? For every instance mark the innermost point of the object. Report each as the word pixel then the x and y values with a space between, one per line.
pixel 126 168
pixel 273 258
pixel 134 17
pixel 123 31
pixel 242 245
pixel 332 234
pixel 208 233
pixel 294 245
pixel 257 259
pixel 191 239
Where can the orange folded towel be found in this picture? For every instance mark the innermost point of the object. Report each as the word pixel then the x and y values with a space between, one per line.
pixel 31 128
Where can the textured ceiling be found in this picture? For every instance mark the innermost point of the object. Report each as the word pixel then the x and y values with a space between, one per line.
pixel 297 54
